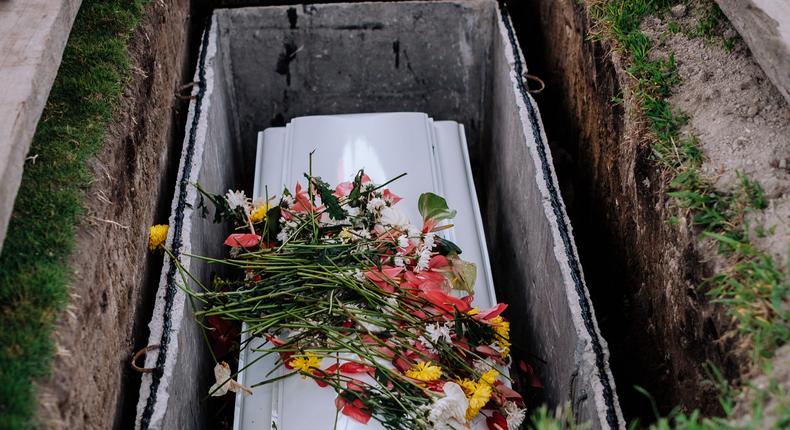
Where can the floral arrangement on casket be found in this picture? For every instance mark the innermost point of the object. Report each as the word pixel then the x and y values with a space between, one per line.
pixel 353 296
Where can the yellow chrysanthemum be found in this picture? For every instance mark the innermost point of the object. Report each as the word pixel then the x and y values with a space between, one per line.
pixel 305 363
pixel 259 213
pixel 473 311
pixel 489 377
pixel 501 327
pixel 157 236
pixel 425 371
pixel 478 399
pixel 502 330
pixel 478 393
pixel 468 385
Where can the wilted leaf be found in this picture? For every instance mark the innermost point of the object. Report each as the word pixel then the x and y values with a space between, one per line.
pixel 464 274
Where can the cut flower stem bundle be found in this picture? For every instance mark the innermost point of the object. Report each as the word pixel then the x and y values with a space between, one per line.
pixel 351 295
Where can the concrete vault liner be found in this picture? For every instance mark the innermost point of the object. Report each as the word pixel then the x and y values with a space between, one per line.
pixel 458 61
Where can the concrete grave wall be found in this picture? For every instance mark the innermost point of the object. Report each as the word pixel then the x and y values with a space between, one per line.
pixel 454 60
pixel 765 27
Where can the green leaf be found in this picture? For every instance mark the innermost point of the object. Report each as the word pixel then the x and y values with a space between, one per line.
pixel 272 223
pixel 333 207
pixel 356 191
pixel 446 247
pixel 433 207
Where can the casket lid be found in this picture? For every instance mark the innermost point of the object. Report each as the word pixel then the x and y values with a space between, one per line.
pixel 434 156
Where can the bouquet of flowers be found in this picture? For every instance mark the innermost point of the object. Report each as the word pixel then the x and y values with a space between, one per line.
pixel 348 293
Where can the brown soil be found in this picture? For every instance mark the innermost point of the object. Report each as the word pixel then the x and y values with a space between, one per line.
pixel 770 393
pixel 96 336
pixel 643 274
pixel 740 118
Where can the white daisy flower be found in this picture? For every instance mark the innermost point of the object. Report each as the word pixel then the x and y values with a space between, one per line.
pixel 423 260
pixel 375 204
pixel 515 415
pixel 427 344
pixel 438 332
pixel 236 199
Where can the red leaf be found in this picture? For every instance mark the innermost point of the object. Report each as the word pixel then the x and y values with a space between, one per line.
pixel 508 392
pixel 438 261
pixel 244 240
pixel 487 350
pixel 354 368
pixel 356 385
pixel 493 312
pixel 275 341
pixel 497 422
pixel 356 411
pixel 343 189
pixel 392 197
pixel 444 301
pixel 340 402
pixel 385 277
pixel 529 372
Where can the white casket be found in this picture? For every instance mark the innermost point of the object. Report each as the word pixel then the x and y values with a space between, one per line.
pixel 432 153
pixel 261 67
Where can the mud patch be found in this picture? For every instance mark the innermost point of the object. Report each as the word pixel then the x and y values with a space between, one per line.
pixel 96 335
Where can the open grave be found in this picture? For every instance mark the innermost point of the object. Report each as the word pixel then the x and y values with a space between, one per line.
pixel 460 61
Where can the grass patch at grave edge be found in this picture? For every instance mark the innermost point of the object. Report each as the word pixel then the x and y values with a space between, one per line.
pixel 34 275
pixel 753 285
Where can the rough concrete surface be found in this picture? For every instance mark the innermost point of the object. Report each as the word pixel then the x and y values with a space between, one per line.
pixel 765 26
pixel 33 34
pixel 91 378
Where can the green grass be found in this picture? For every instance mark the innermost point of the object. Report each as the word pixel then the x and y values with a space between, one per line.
pixel 34 276
pixel 753 286
pixel 560 419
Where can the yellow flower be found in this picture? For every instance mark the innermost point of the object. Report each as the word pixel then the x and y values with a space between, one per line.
pixel 473 311
pixel 501 327
pixel 478 399
pixel 502 330
pixel 489 377
pixel 259 212
pixel 478 393
pixel 305 363
pixel 424 371
pixel 346 235
pixel 157 236
pixel 468 385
